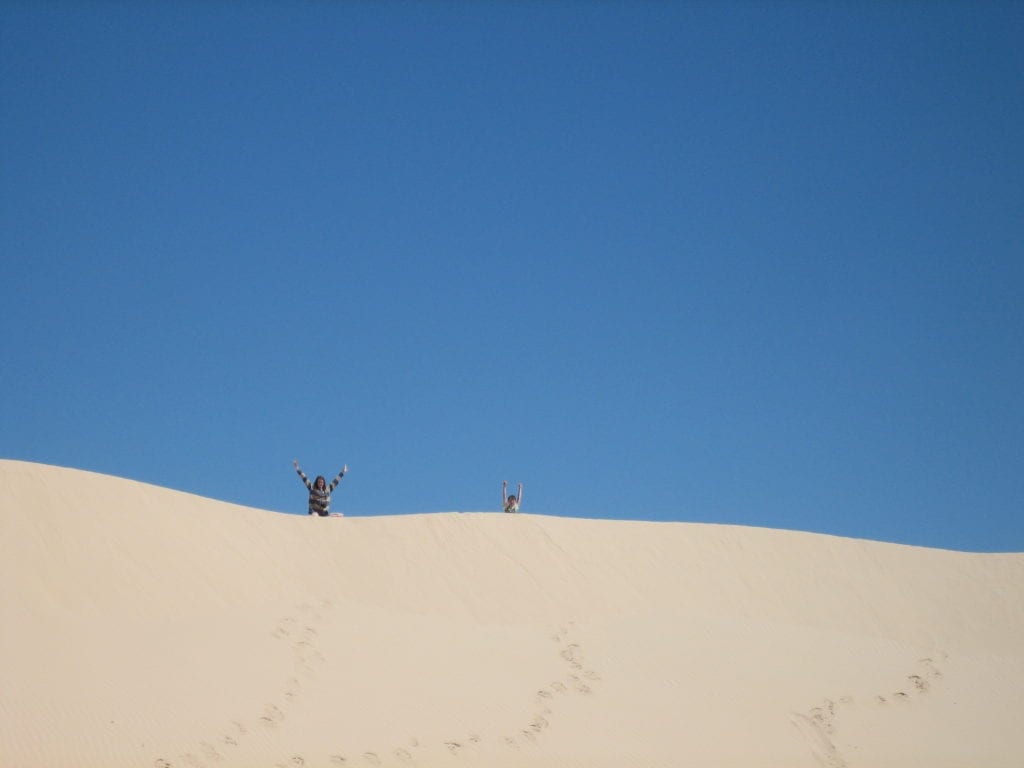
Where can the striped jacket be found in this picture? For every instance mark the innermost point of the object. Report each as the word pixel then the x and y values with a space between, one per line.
pixel 320 500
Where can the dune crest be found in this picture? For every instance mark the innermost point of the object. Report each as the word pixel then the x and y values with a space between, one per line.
pixel 141 626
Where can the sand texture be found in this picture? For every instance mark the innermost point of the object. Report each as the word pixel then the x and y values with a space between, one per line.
pixel 146 628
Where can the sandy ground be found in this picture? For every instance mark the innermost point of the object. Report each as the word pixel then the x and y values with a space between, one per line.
pixel 145 627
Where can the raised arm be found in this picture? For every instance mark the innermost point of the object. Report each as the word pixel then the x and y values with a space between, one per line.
pixel 504 492
pixel 335 481
pixel 519 495
pixel 302 475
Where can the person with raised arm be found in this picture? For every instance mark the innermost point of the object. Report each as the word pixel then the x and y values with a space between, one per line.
pixel 511 502
pixel 319 490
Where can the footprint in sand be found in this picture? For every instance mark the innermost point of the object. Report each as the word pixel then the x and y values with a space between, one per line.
pixel 306 652
pixel 298 760
pixel 403 755
pixel 453 746
pixel 929 672
pixel 210 751
pixel 919 683
pixel 272 716
pixel 371 758
pixel 579 686
pixel 161 763
pixel 824 716
pixel 538 724
pixel 337 760
pixel 284 628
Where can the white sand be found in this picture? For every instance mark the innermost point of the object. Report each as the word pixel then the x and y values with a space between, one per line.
pixel 146 627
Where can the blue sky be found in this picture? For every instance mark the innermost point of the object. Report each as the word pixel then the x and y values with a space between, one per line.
pixel 753 263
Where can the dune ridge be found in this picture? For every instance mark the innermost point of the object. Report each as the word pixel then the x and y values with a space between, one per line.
pixel 141 626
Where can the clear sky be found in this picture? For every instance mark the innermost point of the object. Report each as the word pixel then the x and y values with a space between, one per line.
pixel 753 263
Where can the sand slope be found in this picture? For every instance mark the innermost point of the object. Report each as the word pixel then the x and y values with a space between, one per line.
pixel 145 627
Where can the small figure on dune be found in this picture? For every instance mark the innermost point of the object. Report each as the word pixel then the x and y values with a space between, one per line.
pixel 319 490
pixel 511 502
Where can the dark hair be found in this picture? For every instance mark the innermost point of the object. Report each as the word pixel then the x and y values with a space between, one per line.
pixel 319 479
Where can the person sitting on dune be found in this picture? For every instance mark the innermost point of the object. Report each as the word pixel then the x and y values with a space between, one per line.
pixel 319 491
pixel 511 502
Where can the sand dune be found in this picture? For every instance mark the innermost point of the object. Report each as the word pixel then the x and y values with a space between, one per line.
pixel 146 627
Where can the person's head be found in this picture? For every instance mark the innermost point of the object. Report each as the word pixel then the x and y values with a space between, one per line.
pixel 512 498
pixel 320 483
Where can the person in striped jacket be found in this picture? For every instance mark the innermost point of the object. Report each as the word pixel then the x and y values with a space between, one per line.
pixel 511 502
pixel 319 490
